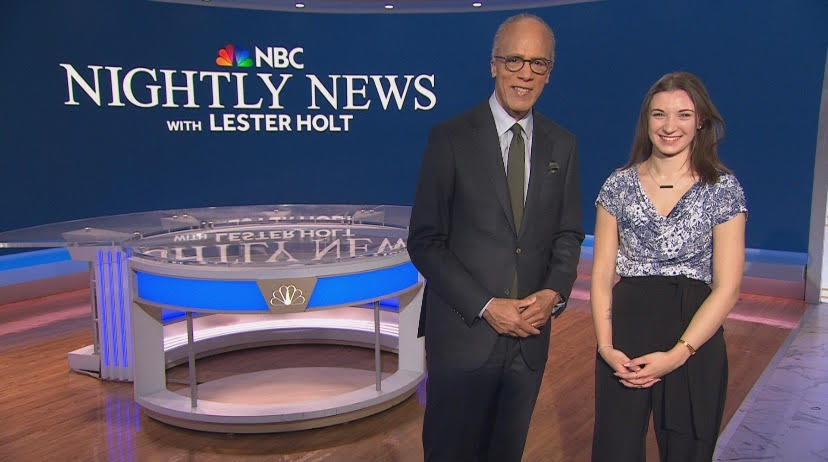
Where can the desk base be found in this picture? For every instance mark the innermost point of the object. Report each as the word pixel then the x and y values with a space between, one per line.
pixel 213 416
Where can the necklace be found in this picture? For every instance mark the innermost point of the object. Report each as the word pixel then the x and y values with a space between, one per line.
pixel 669 185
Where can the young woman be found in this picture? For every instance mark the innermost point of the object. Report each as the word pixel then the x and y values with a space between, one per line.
pixel 669 223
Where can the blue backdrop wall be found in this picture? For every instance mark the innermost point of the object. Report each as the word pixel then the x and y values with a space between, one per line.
pixel 76 147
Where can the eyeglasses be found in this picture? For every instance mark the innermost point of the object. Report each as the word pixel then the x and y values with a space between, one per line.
pixel 539 66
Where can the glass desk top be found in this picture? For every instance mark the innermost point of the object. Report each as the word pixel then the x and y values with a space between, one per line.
pixel 269 235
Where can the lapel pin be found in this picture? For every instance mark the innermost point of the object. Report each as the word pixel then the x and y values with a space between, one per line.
pixel 552 167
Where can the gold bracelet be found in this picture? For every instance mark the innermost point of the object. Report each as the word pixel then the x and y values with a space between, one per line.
pixel 689 347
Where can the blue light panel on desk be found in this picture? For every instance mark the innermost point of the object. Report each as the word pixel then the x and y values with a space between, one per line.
pixel 245 295
pixel 199 293
pixel 172 315
pixel 349 288
pixel 112 310
pixel 104 311
pixel 120 258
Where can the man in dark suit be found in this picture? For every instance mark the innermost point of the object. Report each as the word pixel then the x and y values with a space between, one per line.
pixel 496 232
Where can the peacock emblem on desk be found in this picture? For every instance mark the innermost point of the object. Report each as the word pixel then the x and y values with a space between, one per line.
pixel 287 295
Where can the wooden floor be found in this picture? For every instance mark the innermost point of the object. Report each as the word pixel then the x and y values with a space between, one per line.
pixel 49 413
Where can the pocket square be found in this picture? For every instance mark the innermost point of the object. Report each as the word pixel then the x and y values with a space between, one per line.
pixel 551 167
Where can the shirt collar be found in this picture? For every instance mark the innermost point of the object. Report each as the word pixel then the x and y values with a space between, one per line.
pixel 504 122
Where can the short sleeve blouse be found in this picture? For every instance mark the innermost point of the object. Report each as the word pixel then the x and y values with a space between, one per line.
pixel 680 243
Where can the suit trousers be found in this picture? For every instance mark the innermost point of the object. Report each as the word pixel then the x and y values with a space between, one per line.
pixel 650 314
pixel 481 414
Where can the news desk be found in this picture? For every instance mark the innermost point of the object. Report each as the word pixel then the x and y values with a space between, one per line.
pixel 172 286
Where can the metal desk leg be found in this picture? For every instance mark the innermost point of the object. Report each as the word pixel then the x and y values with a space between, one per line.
pixel 377 350
pixel 191 366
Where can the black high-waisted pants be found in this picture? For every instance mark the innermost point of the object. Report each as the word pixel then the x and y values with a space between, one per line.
pixel 650 313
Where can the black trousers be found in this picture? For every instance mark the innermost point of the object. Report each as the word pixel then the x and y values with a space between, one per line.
pixel 650 314
pixel 482 414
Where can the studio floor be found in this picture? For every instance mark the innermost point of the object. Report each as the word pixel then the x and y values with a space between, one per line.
pixel 776 405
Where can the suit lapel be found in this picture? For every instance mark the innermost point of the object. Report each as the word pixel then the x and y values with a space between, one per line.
pixel 542 145
pixel 486 136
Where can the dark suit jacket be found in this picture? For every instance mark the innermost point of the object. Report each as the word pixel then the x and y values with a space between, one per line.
pixel 462 234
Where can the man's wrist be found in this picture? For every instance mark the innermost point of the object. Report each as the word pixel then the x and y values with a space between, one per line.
pixel 559 306
pixel 485 307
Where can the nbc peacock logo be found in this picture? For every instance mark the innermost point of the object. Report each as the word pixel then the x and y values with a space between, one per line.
pixel 230 55
pixel 287 295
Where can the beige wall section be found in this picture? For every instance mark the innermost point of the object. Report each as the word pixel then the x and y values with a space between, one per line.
pixel 816 277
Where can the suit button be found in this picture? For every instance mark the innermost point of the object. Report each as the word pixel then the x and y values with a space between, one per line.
pixel 507 292
pixel 517 251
